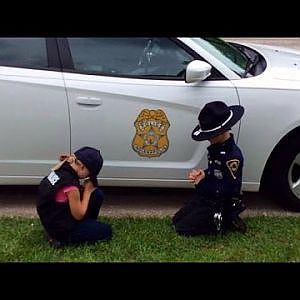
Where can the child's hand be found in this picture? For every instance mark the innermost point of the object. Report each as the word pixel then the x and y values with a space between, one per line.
pixel 88 185
pixel 196 176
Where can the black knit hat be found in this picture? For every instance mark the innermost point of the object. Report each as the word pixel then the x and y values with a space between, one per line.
pixel 91 158
pixel 215 118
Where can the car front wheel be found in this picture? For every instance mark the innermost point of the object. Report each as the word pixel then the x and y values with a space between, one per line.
pixel 284 174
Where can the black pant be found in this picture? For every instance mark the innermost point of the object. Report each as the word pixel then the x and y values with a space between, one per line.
pixel 194 218
pixel 89 229
pixel 198 215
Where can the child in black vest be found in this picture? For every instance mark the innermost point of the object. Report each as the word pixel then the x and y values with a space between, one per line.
pixel 67 210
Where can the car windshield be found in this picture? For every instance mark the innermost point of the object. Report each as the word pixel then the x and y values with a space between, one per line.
pixel 229 55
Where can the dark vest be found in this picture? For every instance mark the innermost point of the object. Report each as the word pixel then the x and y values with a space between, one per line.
pixel 56 217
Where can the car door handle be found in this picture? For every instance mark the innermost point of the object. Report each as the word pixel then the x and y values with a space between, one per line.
pixel 91 101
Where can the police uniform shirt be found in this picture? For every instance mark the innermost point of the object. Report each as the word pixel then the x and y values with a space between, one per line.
pixel 223 177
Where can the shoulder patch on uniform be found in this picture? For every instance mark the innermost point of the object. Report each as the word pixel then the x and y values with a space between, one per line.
pixel 233 166
pixel 53 178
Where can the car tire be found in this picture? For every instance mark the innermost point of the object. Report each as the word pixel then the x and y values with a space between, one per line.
pixel 284 174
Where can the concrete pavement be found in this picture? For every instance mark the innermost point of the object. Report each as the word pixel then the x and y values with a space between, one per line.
pixel 135 202
pixel 293 42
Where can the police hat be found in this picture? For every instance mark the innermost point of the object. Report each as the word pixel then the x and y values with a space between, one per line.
pixel 91 158
pixel 215 118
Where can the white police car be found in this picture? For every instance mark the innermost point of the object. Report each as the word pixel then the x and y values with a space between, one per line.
pixel 138 99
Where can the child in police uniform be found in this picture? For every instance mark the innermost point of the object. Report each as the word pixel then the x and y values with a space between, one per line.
pixel 67 210
pixel 217 204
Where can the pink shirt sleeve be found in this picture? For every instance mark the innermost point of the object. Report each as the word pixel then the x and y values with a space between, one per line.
pixel 61 196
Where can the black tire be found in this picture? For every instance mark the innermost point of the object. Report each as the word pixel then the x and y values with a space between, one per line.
pixel 284 172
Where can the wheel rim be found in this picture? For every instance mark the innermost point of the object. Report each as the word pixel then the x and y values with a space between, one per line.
pixel 294 176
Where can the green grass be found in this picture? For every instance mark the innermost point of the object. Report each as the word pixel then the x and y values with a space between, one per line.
pixel 268 239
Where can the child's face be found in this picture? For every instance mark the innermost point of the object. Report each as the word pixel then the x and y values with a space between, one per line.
pixel 220 138
pixel 81 170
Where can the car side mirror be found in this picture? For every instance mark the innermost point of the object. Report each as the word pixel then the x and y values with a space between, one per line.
pixel 197 70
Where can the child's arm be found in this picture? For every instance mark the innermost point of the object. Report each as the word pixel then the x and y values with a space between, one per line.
pixel 79 206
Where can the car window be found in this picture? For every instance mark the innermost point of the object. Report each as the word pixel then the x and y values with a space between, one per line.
pixel 232 57
pixel 141 57
pixel 23 52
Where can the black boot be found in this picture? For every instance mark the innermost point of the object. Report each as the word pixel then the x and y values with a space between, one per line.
pixel 237 224
pixel 54 242
pixel 234 222
pixel 237 205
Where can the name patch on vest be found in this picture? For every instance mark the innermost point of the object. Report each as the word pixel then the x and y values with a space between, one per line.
pixel 53 178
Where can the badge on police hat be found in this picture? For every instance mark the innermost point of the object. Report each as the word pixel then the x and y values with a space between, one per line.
pixel 233 166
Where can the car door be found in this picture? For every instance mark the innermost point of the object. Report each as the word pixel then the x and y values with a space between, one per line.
pixel 34 112
pixel 128 97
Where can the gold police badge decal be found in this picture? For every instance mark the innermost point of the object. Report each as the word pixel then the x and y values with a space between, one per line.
pixel 151 138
